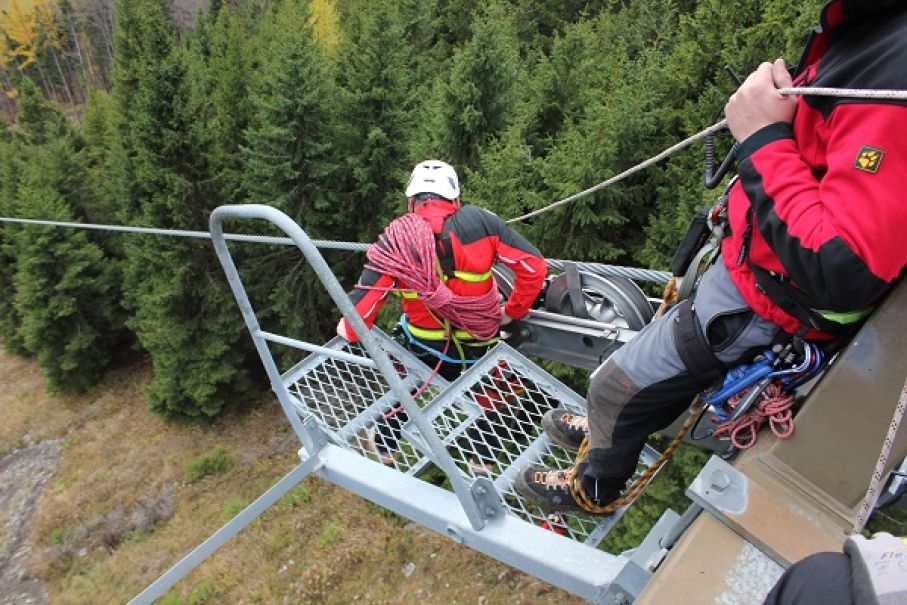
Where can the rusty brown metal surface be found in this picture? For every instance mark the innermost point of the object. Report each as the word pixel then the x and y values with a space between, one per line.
pixel 711 564
pixel 842 425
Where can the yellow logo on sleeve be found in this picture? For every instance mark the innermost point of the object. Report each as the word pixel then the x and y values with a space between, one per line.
pixel 869 159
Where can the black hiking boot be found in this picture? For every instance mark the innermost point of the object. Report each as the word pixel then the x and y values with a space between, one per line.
pixel 549 489
pixel 566 429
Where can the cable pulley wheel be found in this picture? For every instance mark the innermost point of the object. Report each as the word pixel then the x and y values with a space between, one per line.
pixel 613 300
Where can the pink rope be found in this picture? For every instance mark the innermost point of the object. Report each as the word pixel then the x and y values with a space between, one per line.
pixel 774 407
pixel 406 253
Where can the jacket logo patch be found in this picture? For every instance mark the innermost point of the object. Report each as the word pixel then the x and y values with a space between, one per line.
pixel 869 159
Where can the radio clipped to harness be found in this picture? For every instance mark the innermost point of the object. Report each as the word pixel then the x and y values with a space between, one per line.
pixel 699 247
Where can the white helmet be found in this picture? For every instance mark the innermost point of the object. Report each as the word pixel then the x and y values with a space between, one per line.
pixel 434 176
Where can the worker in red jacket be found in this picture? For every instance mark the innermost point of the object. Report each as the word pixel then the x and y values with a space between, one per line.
pixel 816 239
pixel 438 258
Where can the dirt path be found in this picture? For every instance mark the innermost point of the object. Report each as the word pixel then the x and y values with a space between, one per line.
pixel 23 475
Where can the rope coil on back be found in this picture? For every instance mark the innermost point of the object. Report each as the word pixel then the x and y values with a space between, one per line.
pixel 406 253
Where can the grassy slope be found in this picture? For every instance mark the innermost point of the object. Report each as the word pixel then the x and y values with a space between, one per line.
pixel 320 544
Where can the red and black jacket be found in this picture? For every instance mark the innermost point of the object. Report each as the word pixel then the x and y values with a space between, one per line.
pixel 476 239
pixel 818 214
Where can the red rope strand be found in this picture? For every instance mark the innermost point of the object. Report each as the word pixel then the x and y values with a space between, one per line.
pixel 406 253
pixel 774 407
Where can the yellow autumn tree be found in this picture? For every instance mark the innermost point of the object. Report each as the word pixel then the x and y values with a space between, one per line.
pixel 325 24
pixel 26 28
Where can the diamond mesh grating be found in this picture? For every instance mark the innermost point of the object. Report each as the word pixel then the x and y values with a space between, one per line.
pixel 349 399
pixel 489 420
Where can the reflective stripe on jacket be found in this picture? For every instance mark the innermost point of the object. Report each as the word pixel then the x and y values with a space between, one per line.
pixel 478 239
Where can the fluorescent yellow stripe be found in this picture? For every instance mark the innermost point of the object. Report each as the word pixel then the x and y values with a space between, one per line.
pixel 472 277
pixel 844 318
pixel 426 334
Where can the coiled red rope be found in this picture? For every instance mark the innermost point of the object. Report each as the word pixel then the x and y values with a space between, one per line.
pixel 774 407
pixel 406 253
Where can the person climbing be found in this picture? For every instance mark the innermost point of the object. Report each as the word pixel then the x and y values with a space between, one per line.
pixel 438 257
pixel 815 219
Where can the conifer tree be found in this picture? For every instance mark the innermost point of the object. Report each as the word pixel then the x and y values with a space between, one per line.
pixel 9 180
pixel 291 163
pixel 625 116
pixel 66 295
pixel 377 95
pixel 478 98
pixel 226 107
pixel 183 313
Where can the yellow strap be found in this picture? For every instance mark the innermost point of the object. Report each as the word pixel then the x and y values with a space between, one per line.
pixel 851 317
pixel 439 334
pixel 472 277
pixel 436 334
pixel 462 275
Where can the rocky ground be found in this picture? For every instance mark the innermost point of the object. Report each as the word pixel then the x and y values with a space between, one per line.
pixel 23 475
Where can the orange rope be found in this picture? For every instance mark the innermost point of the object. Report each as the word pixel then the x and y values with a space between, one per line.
pixel 587 503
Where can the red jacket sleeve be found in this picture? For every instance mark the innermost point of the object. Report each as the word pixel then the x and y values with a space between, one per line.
pixel 837 234
pixel 368 299
pixel 528 266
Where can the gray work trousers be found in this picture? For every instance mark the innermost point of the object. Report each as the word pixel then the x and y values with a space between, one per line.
pixel 645 386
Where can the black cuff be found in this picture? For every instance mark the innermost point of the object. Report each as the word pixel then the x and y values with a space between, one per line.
pixel 762 137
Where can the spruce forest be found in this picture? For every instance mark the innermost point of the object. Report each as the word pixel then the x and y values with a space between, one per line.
pixel 141 114
pixel 151 113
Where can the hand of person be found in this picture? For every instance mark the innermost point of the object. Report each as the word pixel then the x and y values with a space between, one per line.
pixel 341 330
pixel 757 103
pixel 505 319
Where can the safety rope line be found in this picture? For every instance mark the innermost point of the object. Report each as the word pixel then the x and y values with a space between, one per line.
pixel 774 407
pixel 588 503
pixel 634 273
pixel 257 239
pixel 852 93
pixel 875 483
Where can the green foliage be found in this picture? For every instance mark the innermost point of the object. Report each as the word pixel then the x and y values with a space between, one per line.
pixel 292 163
pixel 331 534
pixel 212 462
pixel 182 310
pixel 376 112
pixel 298 495
pixel 203 592
pixel 477 99
pixel 58 535
pixel 233 508
pixel 9 316
pixel 65 292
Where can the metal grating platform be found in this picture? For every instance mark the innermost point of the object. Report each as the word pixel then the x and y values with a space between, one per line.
pixel 479 431
pixel 489 419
